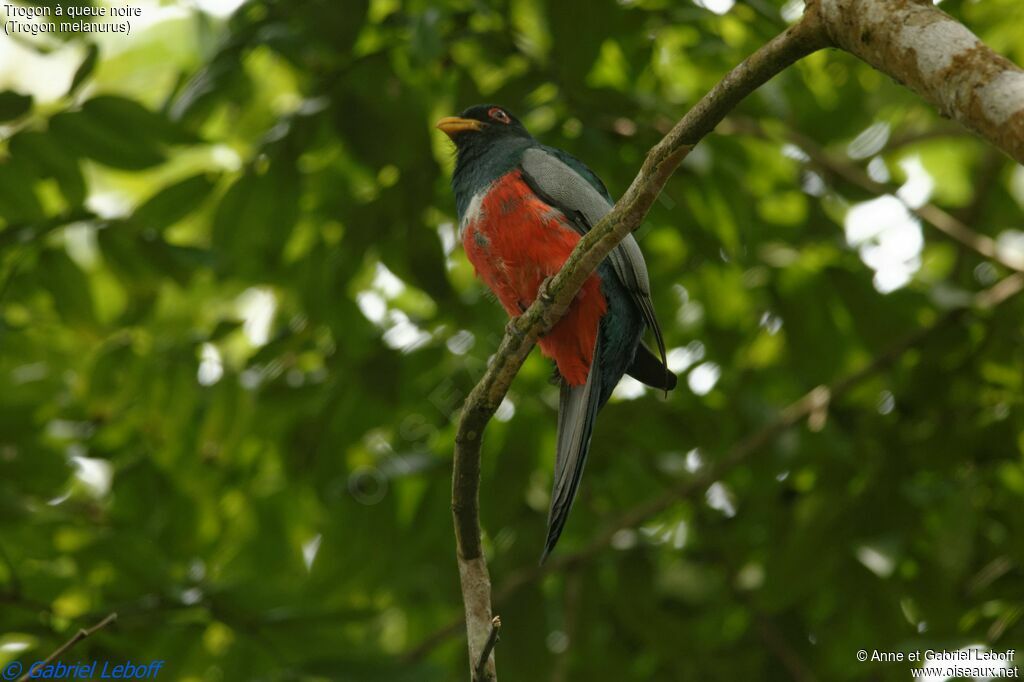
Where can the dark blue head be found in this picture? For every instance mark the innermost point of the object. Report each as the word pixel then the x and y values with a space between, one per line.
pixel 489 141
pixel 482 126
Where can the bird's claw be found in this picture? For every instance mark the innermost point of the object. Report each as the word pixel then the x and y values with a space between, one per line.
pixel 544 291
pixel 512 328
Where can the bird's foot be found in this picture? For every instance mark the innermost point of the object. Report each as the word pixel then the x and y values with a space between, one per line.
pixel 512 328
pixel 544 292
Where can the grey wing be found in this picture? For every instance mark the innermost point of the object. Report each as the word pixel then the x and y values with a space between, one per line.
pixel 565 188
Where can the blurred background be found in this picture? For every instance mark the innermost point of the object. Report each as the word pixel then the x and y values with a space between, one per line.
pixel 236 327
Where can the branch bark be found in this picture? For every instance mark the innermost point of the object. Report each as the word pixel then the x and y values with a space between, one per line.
pixel 937 57
pixel 796 42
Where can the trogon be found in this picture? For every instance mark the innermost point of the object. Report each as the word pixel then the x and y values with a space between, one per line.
pixel 522 207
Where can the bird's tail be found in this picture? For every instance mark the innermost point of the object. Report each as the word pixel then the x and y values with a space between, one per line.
pixel 577 410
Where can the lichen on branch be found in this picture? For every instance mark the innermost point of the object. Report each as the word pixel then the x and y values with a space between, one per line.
pixel 937 57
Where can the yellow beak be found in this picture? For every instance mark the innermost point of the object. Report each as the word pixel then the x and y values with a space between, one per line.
pixel 450 125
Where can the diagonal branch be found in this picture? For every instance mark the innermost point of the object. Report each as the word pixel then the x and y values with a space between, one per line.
pixel 911 137
pixel 796 42
pixel 63 648
pixel 492 640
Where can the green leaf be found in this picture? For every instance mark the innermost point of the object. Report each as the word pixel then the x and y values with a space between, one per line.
pixel 106 141
pixel 220 78
pixel 118 132
pixel 255 218
pixel 18 200
pixel 85 69
pixel 49 157
pixel 14 105
pixel 136 122
pixel 69 286
pixel 172 203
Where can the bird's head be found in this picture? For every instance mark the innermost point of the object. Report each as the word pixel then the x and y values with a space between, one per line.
pixel 481 126
pixel 489 141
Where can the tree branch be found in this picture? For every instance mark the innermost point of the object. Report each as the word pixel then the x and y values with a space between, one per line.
pixel 78 637
pixel 782 51
pixel 492 640
pixel 938 58
pixel 912 137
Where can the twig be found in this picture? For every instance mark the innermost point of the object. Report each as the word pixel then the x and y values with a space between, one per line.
pixel 492 639
pixel 78 637
pixel 990 572
pixel 897 142
pixel 796 42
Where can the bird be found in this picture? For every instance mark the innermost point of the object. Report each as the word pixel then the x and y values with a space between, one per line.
pixel 522 207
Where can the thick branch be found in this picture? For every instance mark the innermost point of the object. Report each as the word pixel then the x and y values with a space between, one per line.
pixel 796 42
pixel 938 58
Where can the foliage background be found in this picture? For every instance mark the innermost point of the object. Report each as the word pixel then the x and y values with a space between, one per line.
pixel 235 326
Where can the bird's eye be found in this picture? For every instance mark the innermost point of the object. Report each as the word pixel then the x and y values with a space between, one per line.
pixel 499 115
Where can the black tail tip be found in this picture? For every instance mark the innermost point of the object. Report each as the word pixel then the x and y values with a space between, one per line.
pixel 554 532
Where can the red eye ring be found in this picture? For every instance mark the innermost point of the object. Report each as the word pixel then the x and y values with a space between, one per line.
pixel 499 115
